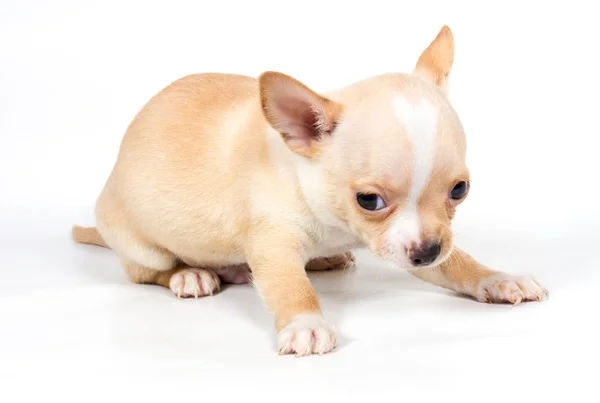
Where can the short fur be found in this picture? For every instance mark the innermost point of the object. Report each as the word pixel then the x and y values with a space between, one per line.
pixel 220 174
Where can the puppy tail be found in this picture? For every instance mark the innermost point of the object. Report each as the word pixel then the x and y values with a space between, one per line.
pixel 88 235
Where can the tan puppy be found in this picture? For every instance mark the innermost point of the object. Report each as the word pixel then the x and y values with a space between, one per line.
pixel 219 172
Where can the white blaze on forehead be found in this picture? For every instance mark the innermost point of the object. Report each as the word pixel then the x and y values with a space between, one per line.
pixel 420 125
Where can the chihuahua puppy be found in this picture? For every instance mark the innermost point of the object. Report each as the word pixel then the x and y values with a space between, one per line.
pixel 222 175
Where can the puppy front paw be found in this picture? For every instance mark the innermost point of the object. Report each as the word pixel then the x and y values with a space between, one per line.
pixel 307 334
pixel 504 288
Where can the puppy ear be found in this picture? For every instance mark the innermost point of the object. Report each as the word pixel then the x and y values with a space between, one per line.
pixel 435 62
pixel 302 116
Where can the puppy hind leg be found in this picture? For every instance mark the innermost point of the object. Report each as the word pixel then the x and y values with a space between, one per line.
pixel 183 281
pixel 147 264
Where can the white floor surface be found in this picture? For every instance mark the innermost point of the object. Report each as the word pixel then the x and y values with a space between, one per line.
pixel 72 321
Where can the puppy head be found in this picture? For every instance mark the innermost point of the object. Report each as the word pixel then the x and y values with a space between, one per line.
pixel 384 157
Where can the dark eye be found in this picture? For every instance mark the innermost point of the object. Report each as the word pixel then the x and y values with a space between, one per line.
pixel 370 201
pixel 459 190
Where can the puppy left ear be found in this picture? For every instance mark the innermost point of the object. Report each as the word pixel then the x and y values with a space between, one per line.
pixel 300 115
pixel 435 62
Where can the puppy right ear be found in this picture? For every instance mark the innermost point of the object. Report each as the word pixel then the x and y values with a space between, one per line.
pixel 436 61
pixel 300 115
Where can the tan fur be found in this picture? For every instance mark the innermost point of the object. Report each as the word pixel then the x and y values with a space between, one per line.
pixel 343 261
pixel 463 274
pixel 219 170
pixel 460 272
pixel 87 235
pixel 436 61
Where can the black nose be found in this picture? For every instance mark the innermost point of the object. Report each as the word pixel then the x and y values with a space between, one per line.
pixel 425 254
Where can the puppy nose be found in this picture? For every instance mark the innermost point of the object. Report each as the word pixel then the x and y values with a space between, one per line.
pixel 425 254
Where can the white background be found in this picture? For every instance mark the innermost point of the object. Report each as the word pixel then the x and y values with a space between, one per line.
pixel 525 82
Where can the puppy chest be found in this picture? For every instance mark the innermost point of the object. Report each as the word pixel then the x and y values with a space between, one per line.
pixel 334 241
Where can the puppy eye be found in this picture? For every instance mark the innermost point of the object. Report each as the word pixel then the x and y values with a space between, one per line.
pixel 370 201
pixel 459 190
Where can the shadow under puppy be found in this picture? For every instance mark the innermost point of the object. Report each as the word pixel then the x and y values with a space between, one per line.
pixel 219 173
